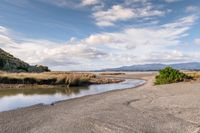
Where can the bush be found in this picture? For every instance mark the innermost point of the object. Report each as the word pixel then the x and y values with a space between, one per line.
pixel 23 68
pixel 169 75
pixel 2 63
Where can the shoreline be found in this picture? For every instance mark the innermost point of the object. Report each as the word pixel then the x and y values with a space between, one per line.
pixel 147 108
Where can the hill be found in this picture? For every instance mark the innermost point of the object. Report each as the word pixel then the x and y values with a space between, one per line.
pixel 156 67
pixel 11 64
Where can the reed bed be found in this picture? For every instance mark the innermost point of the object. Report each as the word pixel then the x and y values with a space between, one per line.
pixel 53 78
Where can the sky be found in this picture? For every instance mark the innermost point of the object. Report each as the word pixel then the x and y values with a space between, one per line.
pixel 96 34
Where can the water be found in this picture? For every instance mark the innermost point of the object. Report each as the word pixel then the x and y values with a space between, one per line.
pixel 16 98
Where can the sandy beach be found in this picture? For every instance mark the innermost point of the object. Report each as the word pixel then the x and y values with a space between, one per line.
pixel 173 108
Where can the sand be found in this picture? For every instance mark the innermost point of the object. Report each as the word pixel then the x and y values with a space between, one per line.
pixel 173 108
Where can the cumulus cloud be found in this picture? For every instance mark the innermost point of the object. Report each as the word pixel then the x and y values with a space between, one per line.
pixel 98 39
pixel 120 13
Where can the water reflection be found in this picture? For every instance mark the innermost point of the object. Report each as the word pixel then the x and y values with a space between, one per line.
pixel 17 98
pixel 43 91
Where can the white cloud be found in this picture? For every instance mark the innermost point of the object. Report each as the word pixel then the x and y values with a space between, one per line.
pixel 3 30
pixel 98 39
pixel 192 9
pixel 167 34
pixel 120 13
pixel 74 4
pixel 197 41
pixel 117 12
pixel 90 2
pixel 185 21
pixel 4 38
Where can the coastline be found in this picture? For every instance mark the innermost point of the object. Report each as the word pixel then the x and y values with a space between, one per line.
pixel 147 108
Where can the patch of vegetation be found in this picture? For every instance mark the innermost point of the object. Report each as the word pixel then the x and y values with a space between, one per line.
pixel 169 75
pixel 53 78
pixel 2 63
pixel 23 68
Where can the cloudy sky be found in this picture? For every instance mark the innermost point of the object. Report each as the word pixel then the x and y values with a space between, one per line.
pixel 95 34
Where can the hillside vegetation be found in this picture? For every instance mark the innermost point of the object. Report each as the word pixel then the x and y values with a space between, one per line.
pixel 169 75
pixel 11 64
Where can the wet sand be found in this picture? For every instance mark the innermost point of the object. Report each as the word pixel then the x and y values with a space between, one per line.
pixel 173 108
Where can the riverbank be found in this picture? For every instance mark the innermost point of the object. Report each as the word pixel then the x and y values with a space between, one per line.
pixel 148 108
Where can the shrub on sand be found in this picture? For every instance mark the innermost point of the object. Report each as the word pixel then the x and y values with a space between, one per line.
pixel 169 75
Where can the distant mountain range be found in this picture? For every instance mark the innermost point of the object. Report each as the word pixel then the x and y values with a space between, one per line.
pixel 10 63
pixel 156 67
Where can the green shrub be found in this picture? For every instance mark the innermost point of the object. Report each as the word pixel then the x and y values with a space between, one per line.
pixel 2 63
pixel 169 75
pixel 23 68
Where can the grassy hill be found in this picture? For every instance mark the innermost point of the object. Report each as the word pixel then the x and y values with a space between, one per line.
pixel 11 64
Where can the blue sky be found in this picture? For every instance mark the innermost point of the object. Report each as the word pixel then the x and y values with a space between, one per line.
pixel 95 34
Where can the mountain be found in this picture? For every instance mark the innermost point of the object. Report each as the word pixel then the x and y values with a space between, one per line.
pixel 156 67
pixel 11 64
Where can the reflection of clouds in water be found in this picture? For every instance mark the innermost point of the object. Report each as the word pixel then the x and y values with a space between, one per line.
pixel 17 100
pixel 41 91
pixel 12 102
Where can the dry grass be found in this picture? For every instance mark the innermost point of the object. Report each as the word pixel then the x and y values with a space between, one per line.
pixel 52 78
pixel 195 75
pixel 109 73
